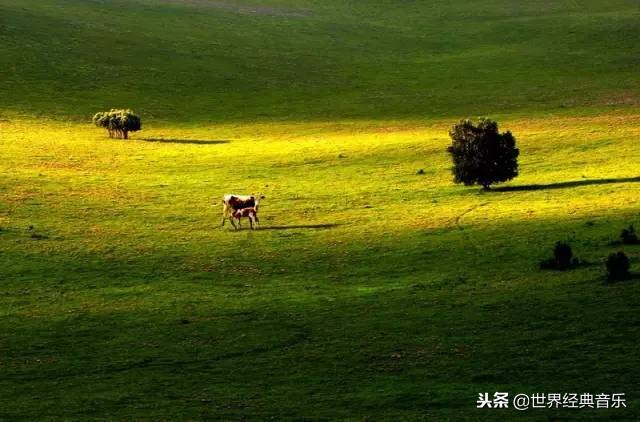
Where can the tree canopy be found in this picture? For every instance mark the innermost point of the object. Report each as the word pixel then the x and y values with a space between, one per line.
pixel 118 122
pixel 482 155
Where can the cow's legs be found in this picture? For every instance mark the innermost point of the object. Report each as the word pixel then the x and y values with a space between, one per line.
pixel 225 212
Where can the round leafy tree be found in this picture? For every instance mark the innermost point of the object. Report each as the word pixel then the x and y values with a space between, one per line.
pixel 118 122
pixel 482 155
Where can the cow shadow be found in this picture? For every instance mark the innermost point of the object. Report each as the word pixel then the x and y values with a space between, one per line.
pixel 294 227
pixel 186 141
pixel 301 226
pixel 563 185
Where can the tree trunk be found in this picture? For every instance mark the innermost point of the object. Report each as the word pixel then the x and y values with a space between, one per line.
pixel 125 134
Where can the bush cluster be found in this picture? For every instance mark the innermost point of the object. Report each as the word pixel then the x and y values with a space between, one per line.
pixel 617 264
pixel 118 122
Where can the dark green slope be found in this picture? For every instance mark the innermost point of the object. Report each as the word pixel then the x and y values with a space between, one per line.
pixel 205 60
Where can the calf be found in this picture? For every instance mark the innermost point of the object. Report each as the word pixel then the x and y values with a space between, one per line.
pixel 250 213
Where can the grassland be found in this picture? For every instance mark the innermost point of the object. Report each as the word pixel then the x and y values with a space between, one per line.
pixel 370 291
pixel 213 61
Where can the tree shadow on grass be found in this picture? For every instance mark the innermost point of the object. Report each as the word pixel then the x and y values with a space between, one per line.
pixel 187 141
pixel 632 277
pixel 562 185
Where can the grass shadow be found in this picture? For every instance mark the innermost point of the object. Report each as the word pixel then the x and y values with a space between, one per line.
pixel 621 243
pixel 633 277
pixel 187 141
pixel 562 185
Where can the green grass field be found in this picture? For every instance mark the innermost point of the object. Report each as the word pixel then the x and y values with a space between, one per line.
pixel 370 292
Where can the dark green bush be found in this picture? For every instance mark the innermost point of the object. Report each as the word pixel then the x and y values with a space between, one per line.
pixel 562 258
pixel 618 266
pixel 629 236
pixel 562 253
pixel 482 155
pixel 118 122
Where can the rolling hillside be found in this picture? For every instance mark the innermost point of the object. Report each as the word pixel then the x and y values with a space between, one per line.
pixel 370 291
pixel 213 61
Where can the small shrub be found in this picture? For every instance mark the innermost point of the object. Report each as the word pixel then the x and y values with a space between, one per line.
pixel 562 253
pixel 629 236
pixel 563 258
pixel 618 266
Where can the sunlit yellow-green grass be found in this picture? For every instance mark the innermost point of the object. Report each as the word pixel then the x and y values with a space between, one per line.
pixel 369 290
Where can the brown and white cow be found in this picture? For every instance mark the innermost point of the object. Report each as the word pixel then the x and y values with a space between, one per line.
pixel 232 203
